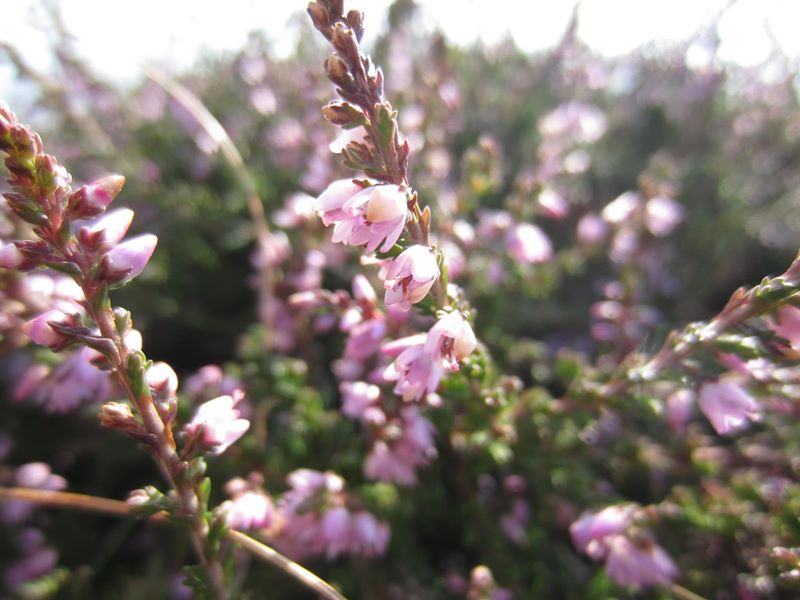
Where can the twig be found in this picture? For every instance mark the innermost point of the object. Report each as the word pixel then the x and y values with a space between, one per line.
pixel 120 508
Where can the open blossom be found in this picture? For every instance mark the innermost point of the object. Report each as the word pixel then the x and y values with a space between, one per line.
pixel 413 370
pixel 604 536
pixel 410 276
pixel 450 340
pixel 399 459
pixel 250 506
pixel 364 216
pixel 728 406
pixel 217 424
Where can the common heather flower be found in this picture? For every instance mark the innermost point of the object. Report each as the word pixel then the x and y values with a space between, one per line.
pixel 410 276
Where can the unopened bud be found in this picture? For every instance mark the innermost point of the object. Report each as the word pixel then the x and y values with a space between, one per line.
pixel 92 199
pixel 355 20
pixel 10 256
pixel 41 332
pixel 128 260
pixel 319 16
pixel 115 415
pixel 343 114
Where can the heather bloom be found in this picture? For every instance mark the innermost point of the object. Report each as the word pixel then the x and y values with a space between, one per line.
pixel 217 425
pixel 413 370
pixel 786 323
pixel 92 199
pixel 410 276
pixel 604 536
pixel 358 397
pixel 527 243
pixel 398 459
pixel 450 340
pixel 250 506
pixel 680 408
pixel 36 475
pixel 128 259
pixel 41 332
pixel 638 564
pixel 112 226
pixel 364 216
pixel 728 406
pixel 662 214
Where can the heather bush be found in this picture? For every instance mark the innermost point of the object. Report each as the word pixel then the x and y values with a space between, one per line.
pixel 488 325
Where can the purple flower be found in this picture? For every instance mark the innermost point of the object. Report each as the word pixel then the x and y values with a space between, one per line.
pixel 36 475
pixel 357 397
pixel 217 424
pixel 250 508
pixel 128 259
pixel 364 216
pixel 728 406
pixel 450 340
pixel 113 226
pixel 410 276
pixel 589 533
pixel 527 243
pixel 680 407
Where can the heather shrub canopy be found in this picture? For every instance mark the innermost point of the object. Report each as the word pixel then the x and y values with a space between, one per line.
pixel 488 325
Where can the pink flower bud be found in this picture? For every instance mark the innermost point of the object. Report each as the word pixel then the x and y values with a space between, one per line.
pixel 363 291
pixel 128 260
pixel 10 256
pixel 162 379
pixel 591 229
pixel 92 199
pixel 40 331
pixel 217 424
pixel 410 276
pixel 662 214
pixel 113 225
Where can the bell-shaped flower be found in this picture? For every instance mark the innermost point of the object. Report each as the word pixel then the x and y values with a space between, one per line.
pixel 450 340
pixel 217 425
pixel 638 563
pixel 364 216
pixel 128 259
pixel 410 276
pixel 728 406
pixel 413 370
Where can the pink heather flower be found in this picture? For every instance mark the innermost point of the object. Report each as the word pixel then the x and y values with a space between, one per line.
pixel 368 536
pixel 638 564
pixel 364 216
pixel 161 378
pixel 728 406
pixel 450 340
pixel 589 533
pixel 592 229
pixel 357 134
pixel 621 208
pixel 364 339
pixel 516 521
pixel 334 531
pixel 398 461
pixel 410 276
pixel 363 291
pixel 40 331
pixel 72 383
pixel 217 424
pixel 786 323
pixel 113 225
pixel 527 243
pixel 250 509
pixel 662 214
pixel 552 204
pixel 36 475
pixel 357 397
pixel 680 408
pixel 413 370
pixel 128 259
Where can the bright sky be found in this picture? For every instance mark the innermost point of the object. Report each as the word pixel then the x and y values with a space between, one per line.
pixel 118 36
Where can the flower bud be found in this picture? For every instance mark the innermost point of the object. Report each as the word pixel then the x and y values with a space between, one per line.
pixel 10 256
pixel 92 199
pixel 113 226
pixel 128 260
pixel 216 424
pixel 41 332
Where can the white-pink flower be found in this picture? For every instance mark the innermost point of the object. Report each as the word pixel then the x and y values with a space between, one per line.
pixel 128 259
pixel 728 406
pixel 41 332
pixel 450 340
pixel 410 276
pixel 217 424
pixel 364 216
pixel 638 564
pixel 413 369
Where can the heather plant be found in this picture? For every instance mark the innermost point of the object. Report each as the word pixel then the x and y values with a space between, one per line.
pixel 432 339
